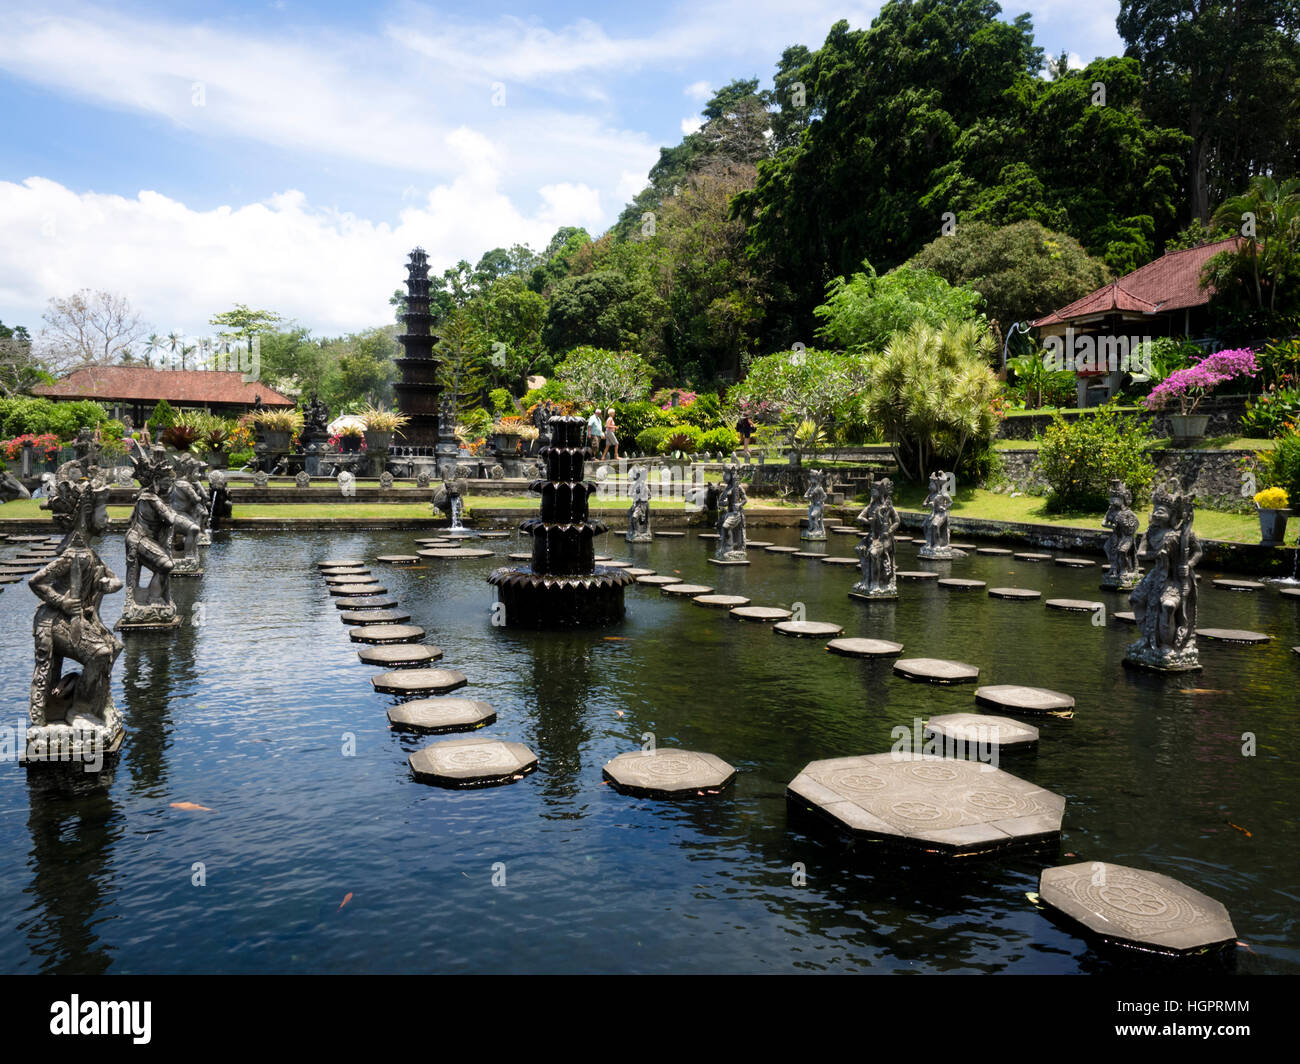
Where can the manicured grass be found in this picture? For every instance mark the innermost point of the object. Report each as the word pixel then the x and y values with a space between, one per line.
pixel 1216 443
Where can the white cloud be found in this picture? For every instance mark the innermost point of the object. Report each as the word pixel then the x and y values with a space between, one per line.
pixel 698 90
pixel 690 124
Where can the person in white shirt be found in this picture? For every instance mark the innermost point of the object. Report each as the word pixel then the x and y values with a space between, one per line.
pixel 595 431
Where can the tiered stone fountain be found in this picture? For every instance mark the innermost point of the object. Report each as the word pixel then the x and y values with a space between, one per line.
pixel 563 586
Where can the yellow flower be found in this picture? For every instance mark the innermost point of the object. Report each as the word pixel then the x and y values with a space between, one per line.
pixel 1272 499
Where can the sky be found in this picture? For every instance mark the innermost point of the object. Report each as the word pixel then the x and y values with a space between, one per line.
pixel 287 156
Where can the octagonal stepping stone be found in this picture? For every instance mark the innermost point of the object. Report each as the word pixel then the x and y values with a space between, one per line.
pixel 839 560
pixel 495 535
pixel 758 543
pixel 345 570
pixel 400 655
pixel 1073 605
pixel 472 762
pixel 338 580
pixel 22 570
pixel 807 629
pixel 812 554
pixel 662 773
pixel 1124 617
pixel 995 552
pixel 725 602
pixel 845 530
pixel 1076 563
pixel 1133 908
pixel 957 583
pixel 617 565
pixel 398 559
pixel 1241 636
pixel 916 574
pixel 1290 592
pixel 419 681
pixel 689 590
pixel 965 734
pixel 669 535
pixel 31 539
pixel 340 563
pixel 954 808
pixel 456 552
pixel 864 648
pixel 386 634
pixel 366 602
pixel 459 533
pixel 357 590
pixel 936 670
pixel 1031 556
pixel 521 556
pixel 435 715
pixel 782 550
pixel 763 614
pixel 1018 593
pixel 640 572
pixel 1014 698
pixel 437 541
pixel 906 539
pixel 365 617
pixel 29 557
pixel 7 578
pixel 707 535
pixel 604 558
pixel 1240 585
pixel 962 546
pixel 658 581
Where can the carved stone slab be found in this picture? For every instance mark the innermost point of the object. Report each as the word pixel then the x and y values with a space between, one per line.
pixel 434 715
pixel 970 731
pixel 1027 700
pixel 865 648
pixel 942 805
pixel 664 773
pixel 1135 908
pixel 419 681
pixel 1124 617
pixel 400 655
pixel 758 543
pixel 472 762
pixel 936 670
pixel 527 556
pixel 671 535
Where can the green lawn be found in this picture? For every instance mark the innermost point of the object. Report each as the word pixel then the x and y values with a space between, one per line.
pixel 1216 443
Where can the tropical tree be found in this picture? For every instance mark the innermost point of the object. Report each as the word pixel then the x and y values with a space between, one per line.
pixel 1264 270
pixel 592 375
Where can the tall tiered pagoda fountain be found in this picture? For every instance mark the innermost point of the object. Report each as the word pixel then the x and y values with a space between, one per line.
pixel 418 392
pixel 563 586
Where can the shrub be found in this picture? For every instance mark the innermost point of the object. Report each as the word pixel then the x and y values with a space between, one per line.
pixel 683 438
pixel 634 418
pixel 1272 413
pixel 163 417
pixel 1079 458
pixel 502 403
pixel 722 440
pixel 1281 466
pixel 706 412
pixel 553 390
pixel 27 415
pixel 650 441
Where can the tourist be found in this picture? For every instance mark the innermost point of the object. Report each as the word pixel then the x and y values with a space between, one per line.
pixel 746 429
pixel 595 430
pixel 611 436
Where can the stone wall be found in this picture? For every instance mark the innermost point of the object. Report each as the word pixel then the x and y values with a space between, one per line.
pixel 1225 418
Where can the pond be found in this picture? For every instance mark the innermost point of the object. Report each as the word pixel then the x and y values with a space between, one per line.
pixel 317 852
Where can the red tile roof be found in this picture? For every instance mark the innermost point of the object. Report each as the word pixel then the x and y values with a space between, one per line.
pixel 178 387
pixel 1171 282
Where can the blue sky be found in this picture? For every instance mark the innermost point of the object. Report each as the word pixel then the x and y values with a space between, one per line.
pixel 287 155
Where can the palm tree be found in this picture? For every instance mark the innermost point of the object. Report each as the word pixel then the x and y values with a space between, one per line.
pixel 176 345
pixel 151 344
pixel 1273 251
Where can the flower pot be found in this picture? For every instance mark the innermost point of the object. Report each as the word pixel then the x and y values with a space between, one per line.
pixel 1189 426
pixel 276 441
pixel 1272 526
pixel 349 444
pixel 378 441
pixel 218 459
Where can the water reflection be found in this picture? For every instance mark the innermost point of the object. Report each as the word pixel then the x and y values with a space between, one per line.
pixel 155 667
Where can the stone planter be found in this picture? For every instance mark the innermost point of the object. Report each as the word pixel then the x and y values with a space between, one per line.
pixel 218 459
pixel 1189 427
pixel 378 441
pixel 276 441
pixel 1272 526
pixel 349 444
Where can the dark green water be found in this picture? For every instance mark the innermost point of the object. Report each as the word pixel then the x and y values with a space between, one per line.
pixel 249 715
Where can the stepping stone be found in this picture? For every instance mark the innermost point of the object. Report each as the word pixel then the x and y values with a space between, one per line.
pixel 905 539
pixel 814 555
pixel 952 807
pixel 343 579
pixel 807 629
pixel 400 655
pixel 604 558
pixel 434 715
pixel 341 563
pixel 839 560
pixel 419 681
pixel 5 578
pixel 367 617
pixel 1290 592
pixel 22 570
pixel 387 634
pixel 1031 556
pixel 1130 907
pixel 472 762
pixel 669 535
pixel 1124 617
pixel 1014 593
pixel 757 543
pixel 1028 700
pixel 659 581
pixel 521 556
pixel 640 572
pixel 864 648
pixel 1233 635
pixel 617 565
pixel 726 602
pixel 690 590
pixel 707 535
pixel 963 546
pixel 460 533
pixel 782 550
pixel 916 574
pixel 993 551
pixel 440 541
pixel 456 552
pixel 356 590
pixel 766 614
pixel 1074 605
pixel 936 670
pixel 1076 563
pixel 1240 585
pixel 957 583
pixel 398 559
pixel 31 539
pixel 846 532
pixel 728 561
pixel 366 602
pixel 495 535
pixel 668 773
pixel 348 570
pixel 963 734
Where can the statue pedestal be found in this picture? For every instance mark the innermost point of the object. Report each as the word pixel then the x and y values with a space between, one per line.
pixel 815 537
pixel 1140 656
pixel 85 741
pixel 148 618
pixel 731 558
pixel 879 595
pixel 1126 582
pixel 640 537
pixel 940 553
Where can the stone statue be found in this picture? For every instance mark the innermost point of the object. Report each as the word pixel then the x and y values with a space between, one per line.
pixel 386 480
pixel 816 496
pixel 935 524
pixel 302 479
pixel 448 498
pixel 1121 545
pixel 347 485
pixel 875 550
pixel 148 538
pixel 1164 602
pixel 187 500
pixel 260 479
pixel 422 479
pixel 73 715
pixel 316 419
pixel 638 514
pixel 11 489
pixel 220 508
pixel 731 517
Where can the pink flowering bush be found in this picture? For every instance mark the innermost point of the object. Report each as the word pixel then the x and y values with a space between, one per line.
pixel 664 398
pixel 1189 386
pixel 46 442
